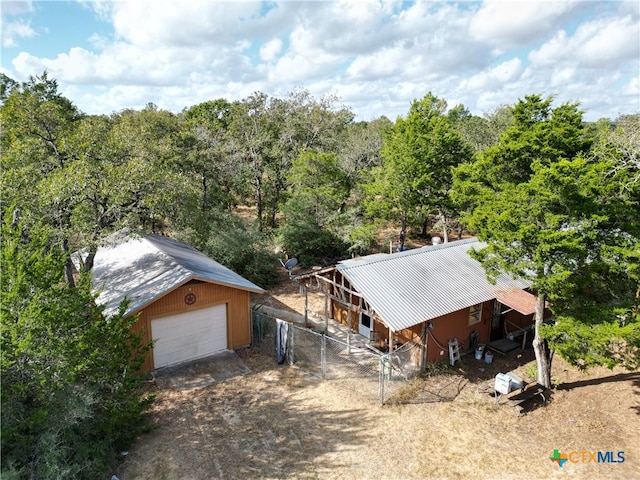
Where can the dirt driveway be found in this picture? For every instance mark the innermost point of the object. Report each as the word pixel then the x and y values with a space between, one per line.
pixel 276 422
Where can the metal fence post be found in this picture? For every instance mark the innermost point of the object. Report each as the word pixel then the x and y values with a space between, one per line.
pixel 381 380
pixel 292 347
pixel 323 357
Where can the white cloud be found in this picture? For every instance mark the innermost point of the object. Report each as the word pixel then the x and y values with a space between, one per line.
pixel 16 7
pixel 517 23
pixel 600 44
pixel 153 23
pixel 13 30
pixel 504 73
pixel 270 50
pixel 377 55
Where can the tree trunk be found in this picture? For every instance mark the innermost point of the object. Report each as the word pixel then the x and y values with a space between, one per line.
pixel 204 193
pixel 259 205
pixel 88 263
pixel 445 232
pixel 68 266
pixel 403 231
pixel 541 347
pixel 425 226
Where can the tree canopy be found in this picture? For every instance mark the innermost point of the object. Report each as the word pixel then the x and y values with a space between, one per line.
pixel 418 154
pixel 70 394
pixel 557 201
pixel 552 213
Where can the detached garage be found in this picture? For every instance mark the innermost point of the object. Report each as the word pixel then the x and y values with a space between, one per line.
pixel 189 304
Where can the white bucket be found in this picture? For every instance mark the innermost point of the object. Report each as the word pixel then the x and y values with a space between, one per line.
pixel 488 357
pixel 479 353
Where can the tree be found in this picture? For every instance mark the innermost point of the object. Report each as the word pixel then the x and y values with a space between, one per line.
pixel 480 132
pixel 319 190
pixel 209 154
pixel 6 85
pixel 71 397
pixel 599 322
pixel 418 155
pixel 537 200
pixel 37 122
pixel 87 176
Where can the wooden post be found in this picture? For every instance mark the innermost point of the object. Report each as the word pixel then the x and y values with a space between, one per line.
pixel 326 307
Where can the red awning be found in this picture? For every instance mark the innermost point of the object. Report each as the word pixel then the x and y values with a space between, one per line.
pixel 520 300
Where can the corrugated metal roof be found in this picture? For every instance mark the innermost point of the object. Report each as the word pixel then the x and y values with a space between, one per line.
pixel 519 300
pixel 414 286
pixel 145 268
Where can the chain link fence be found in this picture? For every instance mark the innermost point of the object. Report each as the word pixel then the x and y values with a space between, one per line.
pixel 373 375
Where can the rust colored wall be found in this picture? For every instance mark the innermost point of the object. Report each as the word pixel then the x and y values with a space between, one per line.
pixel 453 325
pixel 456 325
pixel 207 295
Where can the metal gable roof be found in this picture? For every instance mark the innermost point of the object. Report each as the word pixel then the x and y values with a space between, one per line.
pixel 146 268
pixel 410 287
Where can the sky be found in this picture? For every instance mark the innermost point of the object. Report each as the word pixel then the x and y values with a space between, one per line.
pixel 375 56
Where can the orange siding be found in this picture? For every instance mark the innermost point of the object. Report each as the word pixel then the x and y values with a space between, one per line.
pixel 456 325
pixel 453 325
pixel 340 313
pixel 207 295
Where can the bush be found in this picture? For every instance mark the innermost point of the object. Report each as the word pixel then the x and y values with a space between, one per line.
pixel 311 244
pixel 70 395
pixel 245 252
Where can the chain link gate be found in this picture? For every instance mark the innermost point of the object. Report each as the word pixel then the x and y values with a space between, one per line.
pixel 331 359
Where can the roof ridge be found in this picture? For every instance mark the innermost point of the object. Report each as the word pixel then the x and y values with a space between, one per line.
pixel 163 252
pixel 408 253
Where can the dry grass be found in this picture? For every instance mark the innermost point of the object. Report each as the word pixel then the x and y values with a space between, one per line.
pixel 277 422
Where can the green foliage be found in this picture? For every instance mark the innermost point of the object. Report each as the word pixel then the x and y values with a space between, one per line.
pixel 88 176
pixel 71 397
pixel 361 238
pixel 418 153
pixel 564 219
pixel 311 244
pixel 319 191
pixel 245 251
pixel 602 338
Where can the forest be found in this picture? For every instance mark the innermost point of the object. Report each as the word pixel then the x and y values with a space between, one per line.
pixel 254 181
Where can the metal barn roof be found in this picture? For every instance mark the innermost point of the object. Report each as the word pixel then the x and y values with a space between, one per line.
pixel 144 269
pixel 414 286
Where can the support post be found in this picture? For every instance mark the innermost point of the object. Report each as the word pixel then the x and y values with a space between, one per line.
pixel 306 303
pixel 381 380
pixel 423 359
pixel 326 312
pixel 323 357
pixel 291 349
pixel 349 312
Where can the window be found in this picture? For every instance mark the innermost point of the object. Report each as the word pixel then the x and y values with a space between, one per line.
pixel 475 314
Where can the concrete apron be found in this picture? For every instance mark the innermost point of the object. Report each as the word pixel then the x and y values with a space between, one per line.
pixel 202 372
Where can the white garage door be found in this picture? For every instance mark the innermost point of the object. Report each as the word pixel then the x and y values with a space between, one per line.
pixel 188 336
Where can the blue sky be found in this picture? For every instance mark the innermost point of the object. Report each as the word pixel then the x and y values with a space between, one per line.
pixel 376 56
